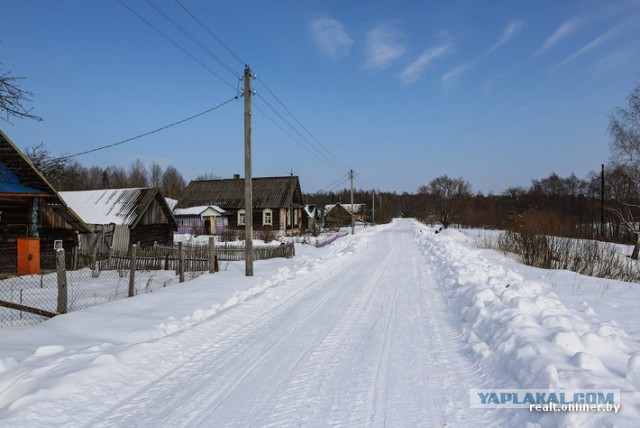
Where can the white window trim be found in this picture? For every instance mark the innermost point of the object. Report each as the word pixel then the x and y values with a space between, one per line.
pixel 241 217
pixel 264 217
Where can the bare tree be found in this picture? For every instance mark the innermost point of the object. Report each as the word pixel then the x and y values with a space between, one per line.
pixel 138 175
pixel 155 175
pixel 448 196
pixel 54 169
pixel 624 128
pixel 172 183
pixel 12 98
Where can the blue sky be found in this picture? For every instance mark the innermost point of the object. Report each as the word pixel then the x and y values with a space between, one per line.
pixel 498 92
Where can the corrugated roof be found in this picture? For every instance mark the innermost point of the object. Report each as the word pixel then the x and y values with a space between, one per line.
pixel 106 206
pixel 197 210
pixel 352 209
pixel 268 192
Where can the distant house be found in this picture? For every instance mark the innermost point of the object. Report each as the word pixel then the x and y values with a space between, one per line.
pixel 33 216
pixel 121 217
pixel 339 215
pixel 277 201
pixel 202 220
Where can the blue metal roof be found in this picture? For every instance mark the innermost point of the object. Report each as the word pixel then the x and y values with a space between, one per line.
pixel 10 183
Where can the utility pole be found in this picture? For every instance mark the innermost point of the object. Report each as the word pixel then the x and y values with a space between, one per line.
pixel 373 207
pixel 248 180
pixel 353 217
pixel 602 202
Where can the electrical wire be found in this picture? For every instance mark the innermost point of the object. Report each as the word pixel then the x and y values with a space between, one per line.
pixel 176 44
pixel 314 154
pixel 150 132
pixel 216 38
pixel 318 153
pixel 192 38
pixel 300 123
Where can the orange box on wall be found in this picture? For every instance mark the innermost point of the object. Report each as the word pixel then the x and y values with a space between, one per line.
pixel 28 256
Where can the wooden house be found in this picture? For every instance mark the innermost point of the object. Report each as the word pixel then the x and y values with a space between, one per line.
pixel 339 215
pixel 277 201
pixel 201 220
pixel 121 217
pixel 33 216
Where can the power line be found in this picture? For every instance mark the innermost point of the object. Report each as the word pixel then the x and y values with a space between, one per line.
pixel 295 139
pixel 300 123
pixel 216 38
pixel 150 132
pixel 328 160
pixel 336 183
pixel 192 38
pixel 177 45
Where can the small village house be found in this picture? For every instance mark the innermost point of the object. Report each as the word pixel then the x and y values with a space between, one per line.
pixel 339 215
pixel 122 217
pixel 277 201
pixel 33 216
pixel 201 220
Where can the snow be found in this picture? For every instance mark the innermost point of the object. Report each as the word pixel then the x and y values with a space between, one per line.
pixel 107 206
pixel 391 326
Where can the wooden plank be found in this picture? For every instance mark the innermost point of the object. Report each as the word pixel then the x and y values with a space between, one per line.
pixel 29 309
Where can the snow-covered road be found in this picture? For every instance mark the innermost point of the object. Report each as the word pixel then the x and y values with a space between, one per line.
pixel 391 327
pixel 363 341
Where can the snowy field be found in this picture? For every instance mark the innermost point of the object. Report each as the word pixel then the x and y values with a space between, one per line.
pixel 391 327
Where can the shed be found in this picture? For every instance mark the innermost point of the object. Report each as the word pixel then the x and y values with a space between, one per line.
pixel 121 217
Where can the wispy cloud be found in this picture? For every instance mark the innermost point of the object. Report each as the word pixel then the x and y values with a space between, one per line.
pixel 384 45
pixel 560 33
pixel 450 78
pixel 513 28
pixel 614 60
pixel 595 43
pixel 414 71
pixel 331 37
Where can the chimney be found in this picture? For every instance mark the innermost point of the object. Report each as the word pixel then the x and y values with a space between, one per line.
pixel 236 176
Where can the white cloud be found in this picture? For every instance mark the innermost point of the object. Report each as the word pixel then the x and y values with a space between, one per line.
pixel 384 45
pixel 561 32
pixel 598 41
pixel 413 71
pixel 451 77
pixel 331 37
pixel 511 30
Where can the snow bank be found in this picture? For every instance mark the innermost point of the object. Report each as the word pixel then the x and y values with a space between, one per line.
pixel 515 323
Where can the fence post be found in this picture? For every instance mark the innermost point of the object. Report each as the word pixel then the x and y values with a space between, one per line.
pixel 75 253
pixel 62 282
pixel 212 254
pixel 94 258
pixel 180 262
pixel 132 271
pixel 110 259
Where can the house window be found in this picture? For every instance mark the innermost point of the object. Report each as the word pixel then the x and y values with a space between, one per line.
pixel 219 221
pixel 267 217
pixel 241 218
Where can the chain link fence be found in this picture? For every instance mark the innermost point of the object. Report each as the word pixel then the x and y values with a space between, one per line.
pixel 70 281
pixel 30 299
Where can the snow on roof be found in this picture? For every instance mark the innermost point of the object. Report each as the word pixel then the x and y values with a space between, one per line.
pixel 117 206
pixel 171 203
pixel 199 210
pixel 351 208
pixel 311 210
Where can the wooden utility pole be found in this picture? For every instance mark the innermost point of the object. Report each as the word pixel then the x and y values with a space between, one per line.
pixel 248 180
pixel 602 202
pixel 353 217
pixel 373 207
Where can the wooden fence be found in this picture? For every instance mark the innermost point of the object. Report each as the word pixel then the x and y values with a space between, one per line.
pixel 194 258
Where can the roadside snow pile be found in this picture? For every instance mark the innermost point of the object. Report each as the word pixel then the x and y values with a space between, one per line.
pixel 520 326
